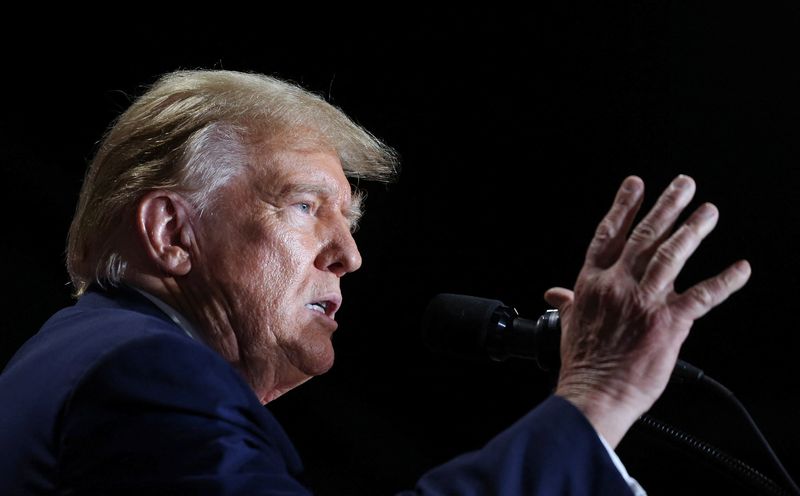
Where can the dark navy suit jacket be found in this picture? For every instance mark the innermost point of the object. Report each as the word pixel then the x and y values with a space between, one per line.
pixel 111 397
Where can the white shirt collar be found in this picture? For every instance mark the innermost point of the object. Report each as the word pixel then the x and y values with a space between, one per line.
pixel 173 314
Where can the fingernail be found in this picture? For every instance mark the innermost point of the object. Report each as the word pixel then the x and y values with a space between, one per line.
pixel 682 182
pixel 631 185
pixel 743 266
pixel 708 211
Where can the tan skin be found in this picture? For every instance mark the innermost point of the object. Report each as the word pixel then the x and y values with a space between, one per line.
pixel 248 272
pixel 259 273
pixel 624 324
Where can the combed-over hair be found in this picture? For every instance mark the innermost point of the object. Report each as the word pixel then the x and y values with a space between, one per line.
pixel 191 132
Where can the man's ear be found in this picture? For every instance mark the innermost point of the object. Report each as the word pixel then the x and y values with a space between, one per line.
pixel 164 227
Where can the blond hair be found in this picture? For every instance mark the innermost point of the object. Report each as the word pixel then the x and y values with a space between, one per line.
pixel 190 132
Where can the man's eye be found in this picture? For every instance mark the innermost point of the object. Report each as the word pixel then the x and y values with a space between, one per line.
pixel 304 207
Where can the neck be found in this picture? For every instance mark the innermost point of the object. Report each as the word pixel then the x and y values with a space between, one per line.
pixel 210 317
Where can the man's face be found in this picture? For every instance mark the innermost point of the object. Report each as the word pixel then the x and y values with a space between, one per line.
pixel 276 247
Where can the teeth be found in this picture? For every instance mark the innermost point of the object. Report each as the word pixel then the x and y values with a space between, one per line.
pixel 317 306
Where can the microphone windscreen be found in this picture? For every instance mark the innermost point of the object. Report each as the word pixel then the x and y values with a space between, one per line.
pixel 459 323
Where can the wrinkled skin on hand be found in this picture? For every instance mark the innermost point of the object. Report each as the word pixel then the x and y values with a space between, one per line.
pixel 624 324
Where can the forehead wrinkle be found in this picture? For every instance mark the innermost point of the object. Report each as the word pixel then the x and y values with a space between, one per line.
pixel 322 190
pixel 287 174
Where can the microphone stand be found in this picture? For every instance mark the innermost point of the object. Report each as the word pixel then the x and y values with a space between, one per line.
pixel 494 328
pixel 735 466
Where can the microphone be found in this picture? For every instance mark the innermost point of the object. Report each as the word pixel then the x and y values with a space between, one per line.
pixel 474 326
pixel 468 325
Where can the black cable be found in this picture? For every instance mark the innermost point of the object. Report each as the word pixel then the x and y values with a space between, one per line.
pixel 733 465
pixel 497 329
pixel 686 373
pixel 726 393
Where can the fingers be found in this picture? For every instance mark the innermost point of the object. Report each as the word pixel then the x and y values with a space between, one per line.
pixel 671 255
pixel 654 228
pixel 609 238
pixel 558 297
pixel 702 297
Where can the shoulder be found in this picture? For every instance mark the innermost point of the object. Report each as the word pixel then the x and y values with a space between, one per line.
pixel 162 409
pixel 133 363
pixel 168 366
pixel 112 393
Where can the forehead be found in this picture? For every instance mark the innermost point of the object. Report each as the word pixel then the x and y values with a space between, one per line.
pixel 287 170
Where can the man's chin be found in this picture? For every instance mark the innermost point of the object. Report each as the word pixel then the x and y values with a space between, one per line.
pixel 314 357
pixel 319 365
pixel 303 372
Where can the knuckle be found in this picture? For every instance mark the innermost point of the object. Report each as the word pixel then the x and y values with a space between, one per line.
pixel 644 232
pixel 666 255
pixel 605 230
pixel 674 249
pixel 671 198
pixel 728 278
pixel 659 320
pixel 596 250
pixel 695 224
pixel 641 299
pixel 646 292
pixel 691 228
pixel 703 296
pixel 626 200
pixel 609 293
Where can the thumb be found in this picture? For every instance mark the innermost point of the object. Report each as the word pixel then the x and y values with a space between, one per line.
pixel 559 297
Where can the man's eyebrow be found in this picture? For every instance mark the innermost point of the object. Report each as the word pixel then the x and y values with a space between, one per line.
pixel 353 212
pixel 316 189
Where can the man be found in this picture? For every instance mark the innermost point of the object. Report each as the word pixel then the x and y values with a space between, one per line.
pixel 212 231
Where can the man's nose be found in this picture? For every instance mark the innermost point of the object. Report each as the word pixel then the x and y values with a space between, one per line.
pixel 341 254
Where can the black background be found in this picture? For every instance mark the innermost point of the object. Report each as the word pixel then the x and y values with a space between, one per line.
pixel 514 128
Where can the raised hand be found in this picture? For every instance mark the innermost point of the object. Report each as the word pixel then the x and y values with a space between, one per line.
pixel 624 324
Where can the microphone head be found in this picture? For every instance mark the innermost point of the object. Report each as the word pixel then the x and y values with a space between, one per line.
pixel 479 327
pixel 460 324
